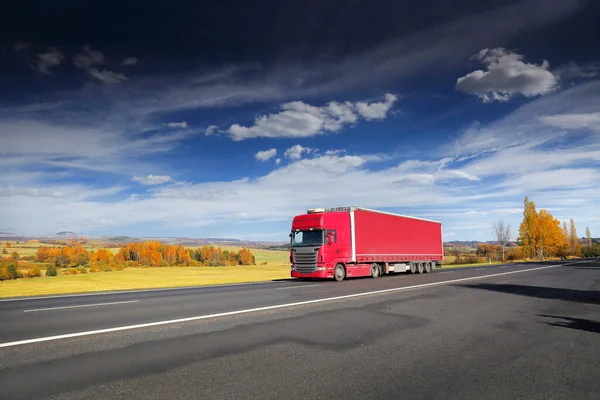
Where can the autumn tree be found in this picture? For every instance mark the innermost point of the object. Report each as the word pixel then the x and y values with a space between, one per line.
pixel 502 233
pixel 588 237
pixel 528 228
pixel 246 257
pixel 573 240
pixel 549 235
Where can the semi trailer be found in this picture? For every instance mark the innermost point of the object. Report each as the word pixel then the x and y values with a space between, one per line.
pixel 348 242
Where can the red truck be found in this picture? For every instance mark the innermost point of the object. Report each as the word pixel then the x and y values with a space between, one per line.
pixel 352 241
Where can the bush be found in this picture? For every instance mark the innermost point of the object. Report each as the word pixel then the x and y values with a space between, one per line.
pixel 81 270
pixel 51 270
pixel 4 251
pixel 34 272
pixel 11 272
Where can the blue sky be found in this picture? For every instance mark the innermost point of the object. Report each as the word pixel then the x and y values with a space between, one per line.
pixel 226 119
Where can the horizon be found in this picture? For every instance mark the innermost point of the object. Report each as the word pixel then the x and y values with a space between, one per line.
pixel 173 124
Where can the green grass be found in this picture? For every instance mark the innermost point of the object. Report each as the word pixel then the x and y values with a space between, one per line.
pixel 142 278
pixel 261 255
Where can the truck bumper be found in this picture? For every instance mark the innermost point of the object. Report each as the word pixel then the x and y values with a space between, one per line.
pixel 323 274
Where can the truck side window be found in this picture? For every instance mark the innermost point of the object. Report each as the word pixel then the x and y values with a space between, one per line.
pixel 333 235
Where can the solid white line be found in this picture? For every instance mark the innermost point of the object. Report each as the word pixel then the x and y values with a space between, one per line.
pixel 478 269
pixel 267 308
pixel 135 291
pixel 296 287
pixel 503 266
pixel 81 305
pixel 446 272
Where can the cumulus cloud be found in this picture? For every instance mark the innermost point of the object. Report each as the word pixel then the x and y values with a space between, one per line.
pixel 151 180
pixel 129 61
pixel 107 77
pixel 506 76
pixel 370 111
pixel 47 60
pixel 181 124
pixel 88 57
pixel 278 161
pixel 20 46
pixel 265 154
pixel 295 152
pixel 299 119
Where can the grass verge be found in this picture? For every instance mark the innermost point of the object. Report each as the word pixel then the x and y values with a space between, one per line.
pixel 142 278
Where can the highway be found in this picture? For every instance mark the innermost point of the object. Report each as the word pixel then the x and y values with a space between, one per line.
pixel 524 331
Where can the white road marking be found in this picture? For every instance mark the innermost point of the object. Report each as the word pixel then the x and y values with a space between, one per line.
pixel 503 266
pixel 267 308
pixel 446 272
pixel 81 305
pixel 135 291
pixel 478 269
pixel 296 287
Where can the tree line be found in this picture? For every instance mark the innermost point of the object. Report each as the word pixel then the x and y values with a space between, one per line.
pixel 541 235
pixel 74 258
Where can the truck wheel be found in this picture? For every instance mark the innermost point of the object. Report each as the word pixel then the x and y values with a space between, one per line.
pixel 374 270
pixel 413 268
pixel 339 272
pixel 428 267
pixel 420 268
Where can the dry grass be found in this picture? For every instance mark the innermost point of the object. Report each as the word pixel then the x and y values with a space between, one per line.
pixel 142 278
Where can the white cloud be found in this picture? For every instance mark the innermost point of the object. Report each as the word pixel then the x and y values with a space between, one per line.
pixel 181 124
pixel 278 161
pixel 129 61
pixel 265 154
pixel 47 60
pixel 211 129
pixel 573 70
pixel 420 179
pixel 574 121
pixel 152 179
pixel 107 77
pixel 370 111
pixel 20 46
pixel 88 58
pixel 295 152
pixel 506 76
pixel 298 119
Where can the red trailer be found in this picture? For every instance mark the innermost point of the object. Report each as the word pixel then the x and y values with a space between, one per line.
pixel 351 241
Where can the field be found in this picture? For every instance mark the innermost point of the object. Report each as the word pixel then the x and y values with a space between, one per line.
pixel 270 265
pixel 142 278
pixel 28 249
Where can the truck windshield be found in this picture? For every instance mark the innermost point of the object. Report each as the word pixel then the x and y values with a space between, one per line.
pixel 307 238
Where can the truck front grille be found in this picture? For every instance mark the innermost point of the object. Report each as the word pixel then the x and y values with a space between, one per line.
pixel 305 260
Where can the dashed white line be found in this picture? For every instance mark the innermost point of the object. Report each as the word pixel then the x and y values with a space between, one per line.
pixel 446 272
pixel 81 305
pixel 267 308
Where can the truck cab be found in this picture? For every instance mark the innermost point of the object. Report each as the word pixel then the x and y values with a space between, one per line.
pixel 319 241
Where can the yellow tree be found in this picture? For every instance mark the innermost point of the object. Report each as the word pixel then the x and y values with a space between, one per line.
pixel 573 240
pixel 183 256
pixel 528 231
pixel 564 248
pixel 588 237
pixel 550 237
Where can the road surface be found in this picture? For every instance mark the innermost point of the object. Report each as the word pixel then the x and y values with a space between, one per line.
pixel 517 331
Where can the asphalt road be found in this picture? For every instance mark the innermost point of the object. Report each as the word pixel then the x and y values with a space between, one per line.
pixel 502 332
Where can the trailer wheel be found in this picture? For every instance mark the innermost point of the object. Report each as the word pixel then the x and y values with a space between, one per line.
pixel 420 268
pixel 413 268
pixel 428 267
pixel 375 272
pixel 339 272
